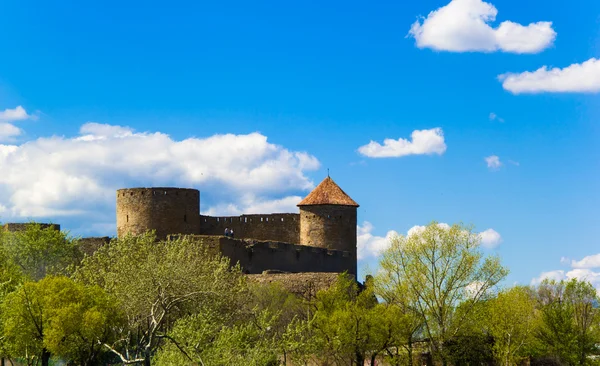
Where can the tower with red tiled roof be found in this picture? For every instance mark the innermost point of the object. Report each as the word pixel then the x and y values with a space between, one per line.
pixel 328 219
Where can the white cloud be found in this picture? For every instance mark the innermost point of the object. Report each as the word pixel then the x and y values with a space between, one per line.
pixel 464 25
pixel 493 162
pixel 417 229
pixel 576 78
pixel 369 245
pixel 97 131
pixel 557 275
pixel 490 238
pixel 494 117
pixel 15 114
pixel 77 176
pixel 249 204
pixel 9 131
pixel 591 261
pixel 424 142
pixel 581 270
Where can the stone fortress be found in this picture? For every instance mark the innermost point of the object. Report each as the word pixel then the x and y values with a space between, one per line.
pixel 321 238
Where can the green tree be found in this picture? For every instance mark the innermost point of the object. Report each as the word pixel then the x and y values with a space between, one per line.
pixel 556 333
pixel 57 316
pixel 569 328
pixel 584 300
pixel 349 327
pixel 441 267
pixel 212 338
pixel 511 321
pixel 41 251
pixel 396 294
pixel 157 283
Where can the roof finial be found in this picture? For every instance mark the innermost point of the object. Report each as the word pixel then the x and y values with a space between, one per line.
pixel 327 172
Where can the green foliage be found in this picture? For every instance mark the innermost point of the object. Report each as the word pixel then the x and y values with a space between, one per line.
pixel 207 339
pixel 38 251
pixel 349 326
pixel 512 321
pixel 439 268
pixel 156 283
pixel 569 320
pixel 57 316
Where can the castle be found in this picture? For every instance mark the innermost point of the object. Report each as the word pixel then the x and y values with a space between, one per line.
pixel 303 252
pixel 321 238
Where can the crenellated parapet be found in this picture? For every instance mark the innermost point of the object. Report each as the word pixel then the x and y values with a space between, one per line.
pixel 284 227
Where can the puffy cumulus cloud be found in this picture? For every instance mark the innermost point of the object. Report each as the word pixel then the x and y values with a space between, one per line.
pixel 77 176
pixel 591 261
pixel 490 238
pixel 369 245
pixel 464 25
pixel 550 275
pixel 15 114
pixel 576 78
pixel 250 204
pixel 8 131
pixel 493 162
pixel 580 274
pixel 423 142
pixel 98 131
pixel 581 270
pixel 417 229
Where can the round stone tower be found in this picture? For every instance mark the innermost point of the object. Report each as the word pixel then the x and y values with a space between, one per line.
pixel 328 219
pixel 166 210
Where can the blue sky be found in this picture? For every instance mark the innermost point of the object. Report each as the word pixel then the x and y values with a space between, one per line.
pixel 253 102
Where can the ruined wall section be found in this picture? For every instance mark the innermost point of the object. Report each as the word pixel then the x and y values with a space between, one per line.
pixel 256 256
pixel 167 210
pixel 14 227
pixel 282 227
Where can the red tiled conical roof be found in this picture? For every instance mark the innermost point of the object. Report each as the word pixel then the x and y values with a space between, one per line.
pixel 328 193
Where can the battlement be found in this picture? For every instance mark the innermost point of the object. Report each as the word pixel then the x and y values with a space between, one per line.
pixel 257 256
pixel 283 227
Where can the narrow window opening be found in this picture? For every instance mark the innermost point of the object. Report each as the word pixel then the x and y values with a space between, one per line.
pixel 127 218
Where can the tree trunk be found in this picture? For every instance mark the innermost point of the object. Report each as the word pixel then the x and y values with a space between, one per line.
pixel 410 351
pixel 360 360
pixel 146 357
pixel 2 361
pixel 373 357
pixel 45 357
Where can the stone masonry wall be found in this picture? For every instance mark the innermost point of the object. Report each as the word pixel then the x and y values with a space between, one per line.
pixel 12 227
pixel 166 210
pixel 258 256
pixel 276 227
pixel 330 227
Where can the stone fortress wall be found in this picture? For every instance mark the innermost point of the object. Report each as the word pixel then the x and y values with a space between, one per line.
pixel 321 238
pixel 258 256
pixel 284 227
